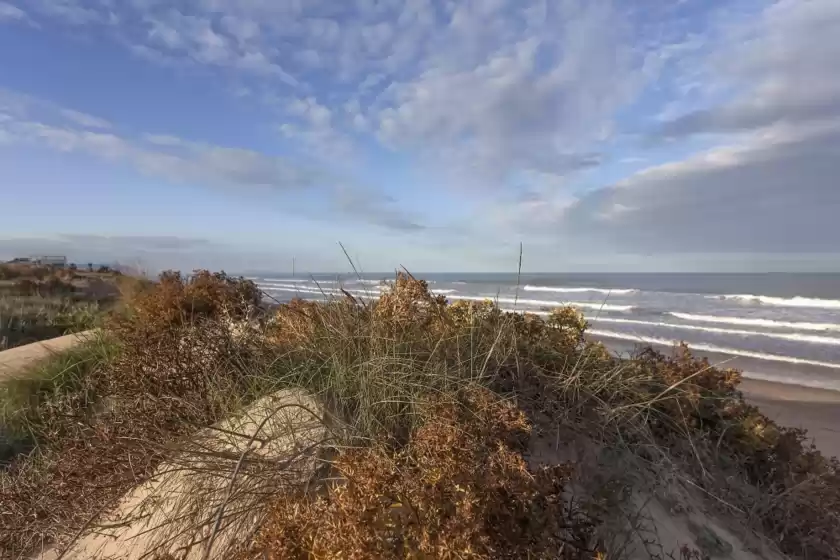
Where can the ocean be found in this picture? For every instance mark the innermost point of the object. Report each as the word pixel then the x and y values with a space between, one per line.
pixel 775 327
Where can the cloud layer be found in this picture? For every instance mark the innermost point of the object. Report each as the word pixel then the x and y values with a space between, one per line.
pixel 698 127
pixel 28 121
pixel 408 72
pixel 770 183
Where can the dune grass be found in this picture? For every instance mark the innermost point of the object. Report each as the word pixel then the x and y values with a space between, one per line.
pixel 38 303
pixel 26 397
pixel 411 388
pixel 27 319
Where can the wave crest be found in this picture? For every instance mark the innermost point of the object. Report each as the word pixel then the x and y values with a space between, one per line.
pixel 796 301
pixel 747 322
pixel 614 291
pixel 716 349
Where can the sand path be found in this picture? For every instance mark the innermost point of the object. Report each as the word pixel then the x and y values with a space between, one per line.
pixel 17 359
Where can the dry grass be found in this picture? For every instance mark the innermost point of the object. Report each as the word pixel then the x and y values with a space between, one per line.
pixel 405 383
pixel 109 431
pixel 38 303
pixel 27 319
pixel 28 402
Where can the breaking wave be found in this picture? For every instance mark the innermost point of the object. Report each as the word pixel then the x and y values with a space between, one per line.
pixel 810 338
pixel 716 349
pixel 796 301
pixel 747 322
pixel 529 288
pixel 548 303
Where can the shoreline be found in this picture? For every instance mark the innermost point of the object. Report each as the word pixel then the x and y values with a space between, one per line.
pixel 794 406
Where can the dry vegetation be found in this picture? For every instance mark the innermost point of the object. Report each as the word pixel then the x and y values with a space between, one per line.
pixel 434 411
pixel 40 302
pixel 459 489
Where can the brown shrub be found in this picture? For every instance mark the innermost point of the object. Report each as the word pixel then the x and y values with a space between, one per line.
pixel 460 489
pixel 408 302
pixel 181 366
pixel 790 488
pixel 378 362
pixel 176 300
pixel 26 287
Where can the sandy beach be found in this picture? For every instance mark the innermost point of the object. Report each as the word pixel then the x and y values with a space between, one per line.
pixel 816 410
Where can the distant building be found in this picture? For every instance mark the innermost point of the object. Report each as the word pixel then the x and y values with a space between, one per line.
pixel 55 261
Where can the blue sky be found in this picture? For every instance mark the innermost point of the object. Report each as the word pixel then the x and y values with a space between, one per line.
pixel 431 134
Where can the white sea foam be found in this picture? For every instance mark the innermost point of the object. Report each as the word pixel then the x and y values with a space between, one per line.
pixel 315 292
pixel 810 338
pixel 717 349
pixel 277 287
pixel 782 336
pixel 529 288
pixel 747 322
pixel 267 285
pixel 538 302
pixel 286 280
pixel 796 301
pixel 549 303
pixel 296 289
pixel 269 281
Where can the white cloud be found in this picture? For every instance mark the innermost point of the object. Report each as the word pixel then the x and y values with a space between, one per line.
pixel 502 96
pixel 485 88
pixel 84 119
pixel 310 110
pixel 10 12
pixel 768 184
pixel 765 181
pixel 375 208
pixel 312 126
pixel 168 157
pixel 73 12
pixel 767 194
pixel 377 37
pixel 178 160
pixel 17 104
pixel 308 58
pixel 765 63
pixel 244 30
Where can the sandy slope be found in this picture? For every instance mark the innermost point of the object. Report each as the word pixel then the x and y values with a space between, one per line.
pixel 17 359
pixel 177 509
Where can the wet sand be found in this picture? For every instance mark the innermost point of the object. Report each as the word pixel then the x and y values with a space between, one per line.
pixel 816 410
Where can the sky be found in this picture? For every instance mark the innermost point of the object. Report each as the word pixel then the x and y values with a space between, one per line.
pixel 438 135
